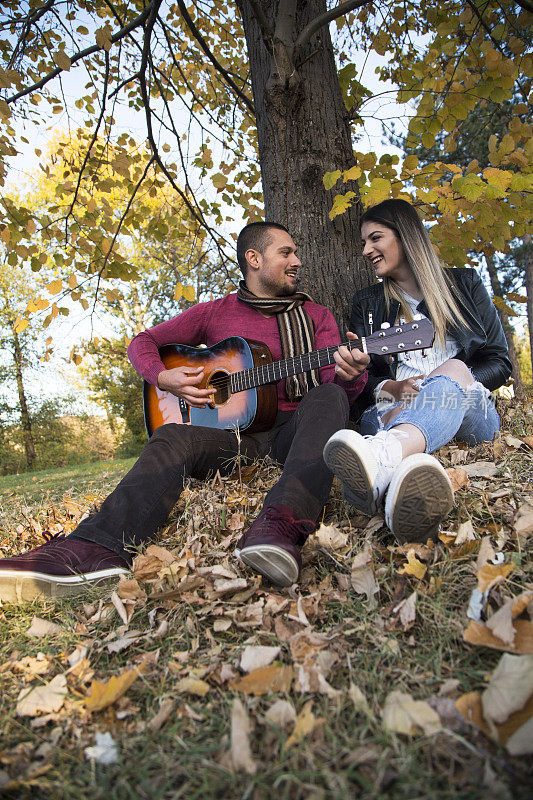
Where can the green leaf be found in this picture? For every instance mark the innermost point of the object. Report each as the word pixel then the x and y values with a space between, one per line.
pixel 330 179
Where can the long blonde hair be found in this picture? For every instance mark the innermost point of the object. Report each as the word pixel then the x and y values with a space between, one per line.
pixel 436 288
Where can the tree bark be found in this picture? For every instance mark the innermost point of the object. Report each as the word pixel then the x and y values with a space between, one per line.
pixel 29 444
pixel 303 131
pixel 506 325
pixel 528 281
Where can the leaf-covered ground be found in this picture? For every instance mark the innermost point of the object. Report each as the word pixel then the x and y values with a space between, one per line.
pixel 193 678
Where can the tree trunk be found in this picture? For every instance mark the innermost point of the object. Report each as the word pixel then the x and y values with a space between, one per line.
pixel 303 131
pixel 506 325
pixel 29 444
pixel 528 281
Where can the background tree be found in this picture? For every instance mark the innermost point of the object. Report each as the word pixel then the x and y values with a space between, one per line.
pixel 249 83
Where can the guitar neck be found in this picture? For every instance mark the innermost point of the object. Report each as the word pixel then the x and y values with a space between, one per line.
pixel 278 370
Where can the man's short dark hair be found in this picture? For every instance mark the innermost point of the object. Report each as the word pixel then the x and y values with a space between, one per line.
pixel 255 236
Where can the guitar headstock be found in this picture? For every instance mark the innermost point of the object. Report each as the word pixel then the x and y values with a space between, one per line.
pixel 415 335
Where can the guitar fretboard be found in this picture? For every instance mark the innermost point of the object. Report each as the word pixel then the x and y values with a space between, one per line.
pixel 277 370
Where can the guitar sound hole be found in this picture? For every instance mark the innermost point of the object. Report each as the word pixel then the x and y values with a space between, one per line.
pixel 219 381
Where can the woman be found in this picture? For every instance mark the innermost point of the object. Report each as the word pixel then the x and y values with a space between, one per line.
pixel 418 401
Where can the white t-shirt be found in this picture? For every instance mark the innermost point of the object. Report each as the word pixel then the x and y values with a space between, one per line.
pixel 420 362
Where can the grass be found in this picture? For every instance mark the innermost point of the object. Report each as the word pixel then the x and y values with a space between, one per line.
pixel 350 753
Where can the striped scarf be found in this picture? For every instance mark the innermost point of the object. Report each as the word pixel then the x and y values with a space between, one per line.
pixel 296 332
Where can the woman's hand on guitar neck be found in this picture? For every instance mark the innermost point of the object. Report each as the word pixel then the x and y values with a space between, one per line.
pixel 184 382
pixel 349 364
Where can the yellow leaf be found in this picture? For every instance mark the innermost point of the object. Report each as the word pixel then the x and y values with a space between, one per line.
pixel 6 235
pixel 351 174
pixel 341 203
pixel 21 324
pixel 330 178
pixel 189 293
pixel 306 722
pixel 178 291
pixel 413 566
pixel 193 686
pixel 219 181
pixel 103 695
pixel 5 111
pixel 54 287
pixel 491 574
pixel 31 227
pixel 103 37
pixel 62 60
pixel 260 681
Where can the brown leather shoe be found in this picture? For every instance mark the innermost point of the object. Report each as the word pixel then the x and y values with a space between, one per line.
pixel 271 546
pixel 60 567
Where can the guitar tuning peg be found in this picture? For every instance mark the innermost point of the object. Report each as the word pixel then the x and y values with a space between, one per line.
pixel 385 325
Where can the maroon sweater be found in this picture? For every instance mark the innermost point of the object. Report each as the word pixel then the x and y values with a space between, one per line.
pixel 208 323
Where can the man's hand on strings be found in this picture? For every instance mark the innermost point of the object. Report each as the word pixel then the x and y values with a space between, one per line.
pixel 184 382
pixel 350 363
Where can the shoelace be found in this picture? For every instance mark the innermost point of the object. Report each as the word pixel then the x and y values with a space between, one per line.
pixel 285 524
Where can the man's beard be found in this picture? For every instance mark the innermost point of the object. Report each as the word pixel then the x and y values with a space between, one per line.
pixel 277 290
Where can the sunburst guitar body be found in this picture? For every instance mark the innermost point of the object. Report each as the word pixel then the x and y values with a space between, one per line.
pixel 243 376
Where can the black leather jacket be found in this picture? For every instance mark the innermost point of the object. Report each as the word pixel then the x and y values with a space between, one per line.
pixel 482 346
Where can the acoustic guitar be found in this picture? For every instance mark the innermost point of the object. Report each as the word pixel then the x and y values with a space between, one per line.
pixel 243 377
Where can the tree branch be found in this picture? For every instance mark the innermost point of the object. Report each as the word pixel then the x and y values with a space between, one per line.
pixel 266 31
pixel 285 22
pixel 135 23
pixel 201 41
pixel 324 19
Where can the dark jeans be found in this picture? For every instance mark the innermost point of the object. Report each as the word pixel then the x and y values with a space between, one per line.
pixel 144 498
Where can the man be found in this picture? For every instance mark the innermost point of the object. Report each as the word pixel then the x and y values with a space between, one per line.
pixel 311 408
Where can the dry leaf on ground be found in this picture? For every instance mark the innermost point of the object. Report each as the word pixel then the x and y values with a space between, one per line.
pixel 305 723
pixel 458 477
pixel 510 687
pixel 524 520
pixel 331 538
pixel 481 469
pixel 478 634
pixel 102 695
pixel 257 656
pixel 104 751
pixel 281 713
pixel 402 714
pixel 42 627
pixel 491 575
pixel 266 679
pixel 241 752
pixel 42 699
pixel 165 710
pixel 362 575
pixel 192 686
pixel 413 566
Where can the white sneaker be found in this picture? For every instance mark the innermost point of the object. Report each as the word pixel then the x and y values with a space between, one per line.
pixel 364 464
pixel 419 497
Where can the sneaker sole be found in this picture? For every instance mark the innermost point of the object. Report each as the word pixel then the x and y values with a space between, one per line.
pixel 273 562
pixel 349 467
pixel 19 587
pixel 420 496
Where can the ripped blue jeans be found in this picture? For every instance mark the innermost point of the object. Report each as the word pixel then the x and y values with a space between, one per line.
pixel 441 410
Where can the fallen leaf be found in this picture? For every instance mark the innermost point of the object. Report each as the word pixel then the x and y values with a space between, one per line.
pixel 281 713
pixel 485 554
pixel 266 679
pixel 305 723
pixel 509 689
pixel 331 538
pixel 358 698
pixel 120 607
pixel 42 627
pixel 192 686
pixel 102 695
pixel 481 469
pixel 256 656
pixel 362 574
pixel 407 611
pixel 524 520
pixel 129 589
pixel 478 634
pixel 165 710
pixel 42 699
pixel 458 477
pixel 402 714
pixel 413 566
pixel 465 533
pixel 104 751
pixel 230 587
pixel 491 575
pixel 32 666
pixel 501 623
pixel 241 752
pixel 512 441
